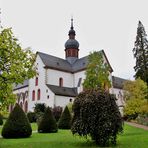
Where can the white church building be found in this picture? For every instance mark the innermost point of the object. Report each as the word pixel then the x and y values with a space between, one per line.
pixel 59 80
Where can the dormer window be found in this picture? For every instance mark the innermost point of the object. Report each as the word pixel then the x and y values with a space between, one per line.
pixel 61 82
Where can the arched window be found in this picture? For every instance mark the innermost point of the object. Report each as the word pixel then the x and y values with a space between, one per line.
pixel 69 52
pixel 26 107
pixel 36 81
pixel 38 94
pixel 60 82
pixel 73 53
pixel 33 95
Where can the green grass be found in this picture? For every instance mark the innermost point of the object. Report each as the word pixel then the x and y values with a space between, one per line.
pixel 131 138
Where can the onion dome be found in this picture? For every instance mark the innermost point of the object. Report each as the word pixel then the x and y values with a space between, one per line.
pixel 72 42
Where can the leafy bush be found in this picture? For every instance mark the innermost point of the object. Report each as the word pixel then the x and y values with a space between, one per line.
pixel 17 124
pixel 39 117
pixel 65 119
pixel 31 117
pixel 143 119
pixel 133 108
pixel 48 123
pixel 39 107
pixel 96 114
pixel 39 111
pixel 57 111
pixel 1 119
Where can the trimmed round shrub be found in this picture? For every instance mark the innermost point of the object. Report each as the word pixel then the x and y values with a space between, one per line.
pixel 65 119
pixel 17 124
pixel 48 123
pixel 96 114
pixel 1 119
pixel 31 117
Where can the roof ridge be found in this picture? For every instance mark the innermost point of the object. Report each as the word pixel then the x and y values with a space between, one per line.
pixel 50 55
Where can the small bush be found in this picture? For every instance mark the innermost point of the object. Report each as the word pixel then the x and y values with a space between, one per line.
pixel 31 117
pixel 48 123
pixel 17 124
pixel 143 119
pixel 39 107
pixel 96 114
pixel 39 117
pixel 57 111
pixel 1 119
pixel 65 119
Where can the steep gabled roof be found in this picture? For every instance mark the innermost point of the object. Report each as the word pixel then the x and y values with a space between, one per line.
pixel 63 65
pixel 63 91
pixel 55 62
pixel 80 64
pixel 118 82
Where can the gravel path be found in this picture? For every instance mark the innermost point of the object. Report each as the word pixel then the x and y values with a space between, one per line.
pixel 137 125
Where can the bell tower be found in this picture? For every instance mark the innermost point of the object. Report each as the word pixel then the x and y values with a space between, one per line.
pixel 71 46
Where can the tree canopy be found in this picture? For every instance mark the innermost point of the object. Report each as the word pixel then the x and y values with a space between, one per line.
pixel 135 97
pixel 140 52
pixel 96 114
pixel 16 65
pixel 97 72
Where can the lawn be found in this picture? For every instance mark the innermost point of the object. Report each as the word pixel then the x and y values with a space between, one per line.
pixel 131 138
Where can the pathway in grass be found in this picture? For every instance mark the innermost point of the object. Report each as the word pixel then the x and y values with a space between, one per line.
pixel 137 125
pixel 132 137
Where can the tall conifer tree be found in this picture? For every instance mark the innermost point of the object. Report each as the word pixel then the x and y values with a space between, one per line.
pixel 141 54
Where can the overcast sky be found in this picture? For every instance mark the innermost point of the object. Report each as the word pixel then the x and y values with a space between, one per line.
pixel 111 25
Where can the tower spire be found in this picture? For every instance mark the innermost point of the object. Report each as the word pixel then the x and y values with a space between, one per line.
pixel 71 23
pixel 71 45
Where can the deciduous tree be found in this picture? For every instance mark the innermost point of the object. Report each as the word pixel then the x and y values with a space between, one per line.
pixel 97 72
pixel 16 65
pixel 135 98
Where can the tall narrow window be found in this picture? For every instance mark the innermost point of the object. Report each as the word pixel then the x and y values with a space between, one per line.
pixel 61 82
pixel 36 81
pixel 79 82
pixel 39 94
pixel 33 95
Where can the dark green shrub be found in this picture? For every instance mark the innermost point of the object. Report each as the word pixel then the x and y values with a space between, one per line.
pixel 96 114
pixel 31 117
pixel 17 124
pixel 65 119
pixel 57 111
pixel 48 123
pixel 39 107
pixel 1 119
pixel 39 111
pixel 39 117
